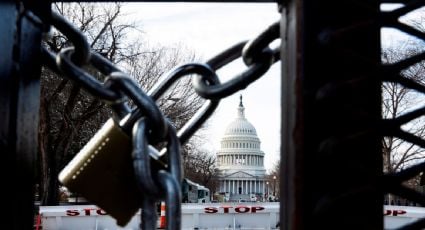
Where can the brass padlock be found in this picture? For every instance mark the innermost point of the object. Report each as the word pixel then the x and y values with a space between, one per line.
pixel 102 172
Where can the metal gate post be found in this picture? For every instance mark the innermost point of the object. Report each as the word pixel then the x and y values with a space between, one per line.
pixel 20 42
pixel 331 105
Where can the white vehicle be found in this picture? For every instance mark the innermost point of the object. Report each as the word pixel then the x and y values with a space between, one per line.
pixel 253 197
pixel 195 193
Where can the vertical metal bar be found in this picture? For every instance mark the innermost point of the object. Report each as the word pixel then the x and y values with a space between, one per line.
pixel 331 105
pixel 291 217
pixel 19 99
pixel 8 17
pixel 8 27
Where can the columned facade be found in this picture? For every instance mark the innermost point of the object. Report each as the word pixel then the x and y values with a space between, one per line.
pixel 241 161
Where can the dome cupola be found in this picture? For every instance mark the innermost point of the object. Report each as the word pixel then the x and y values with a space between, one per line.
pixel 240 126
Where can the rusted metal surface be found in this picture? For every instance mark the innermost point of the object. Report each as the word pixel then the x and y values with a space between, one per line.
pixel 19 81
pixel 331 104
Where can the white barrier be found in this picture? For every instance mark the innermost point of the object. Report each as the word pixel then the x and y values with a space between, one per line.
pixel 194 216
pixel 230 216
pixel 83 217
pixel 397 216
pixel 201 216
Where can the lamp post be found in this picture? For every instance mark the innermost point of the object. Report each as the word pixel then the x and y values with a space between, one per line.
pixel 267 191
pixel 274 186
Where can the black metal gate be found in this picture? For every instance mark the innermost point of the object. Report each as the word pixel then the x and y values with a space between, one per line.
pixel 331 111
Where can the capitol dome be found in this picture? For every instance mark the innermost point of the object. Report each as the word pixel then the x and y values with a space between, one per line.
pixel 240 126
pixel 240 134
pixel 240 161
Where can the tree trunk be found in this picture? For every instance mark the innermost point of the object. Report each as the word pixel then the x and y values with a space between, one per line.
pixel 43 149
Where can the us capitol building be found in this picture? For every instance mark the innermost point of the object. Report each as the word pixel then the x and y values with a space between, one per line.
pixel 240 161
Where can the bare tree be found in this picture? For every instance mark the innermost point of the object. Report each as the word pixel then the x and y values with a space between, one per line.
pixel 398 100
pixel 69 116
pixel 273 177
pixel 200 166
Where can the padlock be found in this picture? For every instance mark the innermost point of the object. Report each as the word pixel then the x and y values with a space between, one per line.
pixel 102 172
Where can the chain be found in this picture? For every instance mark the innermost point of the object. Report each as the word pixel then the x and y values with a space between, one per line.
pixel 146 124
pixel 256 55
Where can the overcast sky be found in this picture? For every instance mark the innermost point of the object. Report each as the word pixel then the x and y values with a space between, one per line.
pixel 208 28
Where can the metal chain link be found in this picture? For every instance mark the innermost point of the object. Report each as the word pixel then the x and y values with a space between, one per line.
pixel 163 184
pixel 256 55
pixel 146 124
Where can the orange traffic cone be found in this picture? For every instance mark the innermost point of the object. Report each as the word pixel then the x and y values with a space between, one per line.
pixel 162 216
